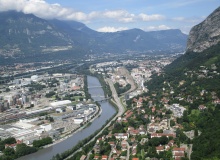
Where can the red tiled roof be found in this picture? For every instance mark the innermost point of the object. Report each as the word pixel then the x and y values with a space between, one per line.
pixel 160 148
pixel 128 115
pixel 96 157
pixel 111 143
pixel 181 154
pixel 162 134
pixel 76 88
pixel 134 132
pixel 104 157
pixel 127 112
pixel 178 149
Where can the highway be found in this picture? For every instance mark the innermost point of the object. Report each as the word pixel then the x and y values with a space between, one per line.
pixel 116 98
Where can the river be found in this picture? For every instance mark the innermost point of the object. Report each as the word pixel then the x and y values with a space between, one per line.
pixel 107 112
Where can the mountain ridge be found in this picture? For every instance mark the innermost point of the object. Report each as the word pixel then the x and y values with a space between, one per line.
pixel 25 35
pixel 205 34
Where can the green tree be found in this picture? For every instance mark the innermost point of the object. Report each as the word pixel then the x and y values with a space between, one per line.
pixel 22 149
pixel 9 151
pixel 164 140
pixel 196 132
pixel 42 142
pixel 124 153
pixel 172 123
pixel 7 89
pixel 10 140
pixel 154 141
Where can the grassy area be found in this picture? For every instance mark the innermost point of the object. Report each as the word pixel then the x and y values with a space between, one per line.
pixel 122 102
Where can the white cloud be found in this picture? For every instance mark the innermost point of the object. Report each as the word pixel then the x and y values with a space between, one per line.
pixel 11 5
pixel 152 17
pixel 94 14
pixel 42 9
pixel 80 16
pixel 119 15
pixel 179 19
pixel 126 20
pixel 188 20
pixel 115 14
pixel 45 10
pixel 156 28
pixel 111 29
pixel 186 29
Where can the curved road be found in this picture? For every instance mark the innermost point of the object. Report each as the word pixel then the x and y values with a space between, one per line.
pixel 116 98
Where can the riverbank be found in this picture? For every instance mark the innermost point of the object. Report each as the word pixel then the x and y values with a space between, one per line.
pixel 72 141
pixel 79 128
pixel 97 114
pixel 89 143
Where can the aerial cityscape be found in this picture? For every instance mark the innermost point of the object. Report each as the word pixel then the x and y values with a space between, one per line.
pixel 98 81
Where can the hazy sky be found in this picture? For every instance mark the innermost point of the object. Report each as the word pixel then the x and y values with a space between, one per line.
pixel 115 15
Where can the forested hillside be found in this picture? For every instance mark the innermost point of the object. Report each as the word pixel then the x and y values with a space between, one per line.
pixel 193 81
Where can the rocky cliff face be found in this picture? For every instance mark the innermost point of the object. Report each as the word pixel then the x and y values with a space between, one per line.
pixel 205 34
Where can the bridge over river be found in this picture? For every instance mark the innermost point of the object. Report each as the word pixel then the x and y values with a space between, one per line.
pixel 94 87
pixel 100 98
pixel 104 99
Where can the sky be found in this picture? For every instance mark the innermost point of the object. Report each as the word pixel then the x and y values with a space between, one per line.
pixel 117 15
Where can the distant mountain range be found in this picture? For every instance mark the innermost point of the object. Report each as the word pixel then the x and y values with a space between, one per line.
pixel 25 35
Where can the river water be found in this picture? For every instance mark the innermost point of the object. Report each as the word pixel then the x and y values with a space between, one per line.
pixel 107 112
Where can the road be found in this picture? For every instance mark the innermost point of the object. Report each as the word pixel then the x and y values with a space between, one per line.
pixel 124 72
pixel 190 151
pixel 128 151
pixel 110 155
pixel 116 98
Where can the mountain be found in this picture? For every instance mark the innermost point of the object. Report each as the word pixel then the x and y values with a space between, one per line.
pixel 133 40
pixel 205 34
pixel 140 41
pixel 25 38
pixel 204 38
pixel 80 34
pixel 25 35
pixel 193 80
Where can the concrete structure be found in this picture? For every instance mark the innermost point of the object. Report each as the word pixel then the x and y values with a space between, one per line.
pixel 46 127
pixel 38 110
pixel 60 110
pixel 23 134
pixel 71 107
pixel 79 105
pixel 78 120
pixel 39 131
pixel 30 140
pixel 23 124
pixel 34 77
pixel 121 135
pixel 60 103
